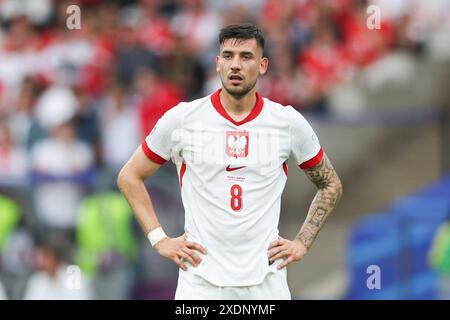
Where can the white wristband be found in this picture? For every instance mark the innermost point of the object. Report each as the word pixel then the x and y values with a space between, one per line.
pixel 156 235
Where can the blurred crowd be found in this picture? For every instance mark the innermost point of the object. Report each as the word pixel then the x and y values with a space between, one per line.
pixel 75 104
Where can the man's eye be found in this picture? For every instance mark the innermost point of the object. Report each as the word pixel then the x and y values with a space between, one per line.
pixel 247 57
pixel 226 56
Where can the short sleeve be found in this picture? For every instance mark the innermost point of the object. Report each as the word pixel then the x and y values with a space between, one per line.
pixel 305 146
pixel 160 141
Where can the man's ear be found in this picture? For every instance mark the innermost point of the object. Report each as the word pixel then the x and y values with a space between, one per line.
pixel 263 65
pixel 217 64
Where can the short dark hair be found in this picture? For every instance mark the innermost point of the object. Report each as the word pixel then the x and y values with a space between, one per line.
pixel 243 31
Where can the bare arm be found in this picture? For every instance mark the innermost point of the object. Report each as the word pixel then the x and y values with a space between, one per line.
pixel 131 183
pixel 329 192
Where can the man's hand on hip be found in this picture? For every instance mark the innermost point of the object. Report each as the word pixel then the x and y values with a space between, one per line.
pixel 179 249
pixel 288 250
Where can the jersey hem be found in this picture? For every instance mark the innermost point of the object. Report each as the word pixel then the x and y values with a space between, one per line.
pixel 270 269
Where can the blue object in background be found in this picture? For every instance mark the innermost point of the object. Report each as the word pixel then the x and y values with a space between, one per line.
pixel 398 241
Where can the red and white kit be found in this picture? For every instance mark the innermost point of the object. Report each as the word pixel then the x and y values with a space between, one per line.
pixel 232 175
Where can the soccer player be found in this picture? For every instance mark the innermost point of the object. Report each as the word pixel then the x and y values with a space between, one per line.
pixel 231 150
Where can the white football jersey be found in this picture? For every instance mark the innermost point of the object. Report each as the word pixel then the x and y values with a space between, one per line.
pixel 232 175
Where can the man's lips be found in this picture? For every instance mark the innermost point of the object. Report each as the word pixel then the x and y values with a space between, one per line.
pixel 235 79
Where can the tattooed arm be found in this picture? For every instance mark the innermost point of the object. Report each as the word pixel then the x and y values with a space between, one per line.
pixel 330 190
pixel 327 181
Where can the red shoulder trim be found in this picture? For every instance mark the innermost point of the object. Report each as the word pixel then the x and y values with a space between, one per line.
pixel 313 161
pixel 151 155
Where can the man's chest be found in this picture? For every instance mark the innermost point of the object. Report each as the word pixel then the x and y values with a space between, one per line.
pixel 231 147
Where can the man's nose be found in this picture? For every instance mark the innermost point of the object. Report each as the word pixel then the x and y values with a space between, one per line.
pixel 236 64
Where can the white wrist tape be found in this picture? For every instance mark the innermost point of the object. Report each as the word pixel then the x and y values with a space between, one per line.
pixel 156 235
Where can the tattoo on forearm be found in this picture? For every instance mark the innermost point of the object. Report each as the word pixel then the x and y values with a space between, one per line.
pixel 317 216
pixel 330 190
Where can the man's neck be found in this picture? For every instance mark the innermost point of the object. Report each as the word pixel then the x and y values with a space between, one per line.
pixel 238 108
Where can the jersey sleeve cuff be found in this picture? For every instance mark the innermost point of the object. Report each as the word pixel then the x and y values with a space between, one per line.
pixel 151 155
pixel 314 161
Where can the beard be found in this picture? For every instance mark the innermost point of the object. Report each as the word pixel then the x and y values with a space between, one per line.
pixel 238 92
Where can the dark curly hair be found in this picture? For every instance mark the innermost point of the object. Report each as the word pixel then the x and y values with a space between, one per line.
pixel 242 31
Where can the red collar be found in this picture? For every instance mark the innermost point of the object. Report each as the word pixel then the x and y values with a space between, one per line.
pixel 215 99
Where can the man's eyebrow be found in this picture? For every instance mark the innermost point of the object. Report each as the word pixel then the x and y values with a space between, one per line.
pixel 240 52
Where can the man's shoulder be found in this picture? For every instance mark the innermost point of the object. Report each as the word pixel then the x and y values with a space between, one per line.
pixel 193 104
pixel 198 101
pixel 277 107
pixel 286 112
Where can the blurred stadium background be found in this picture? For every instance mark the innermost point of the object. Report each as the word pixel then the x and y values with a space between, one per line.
pixel 74 105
